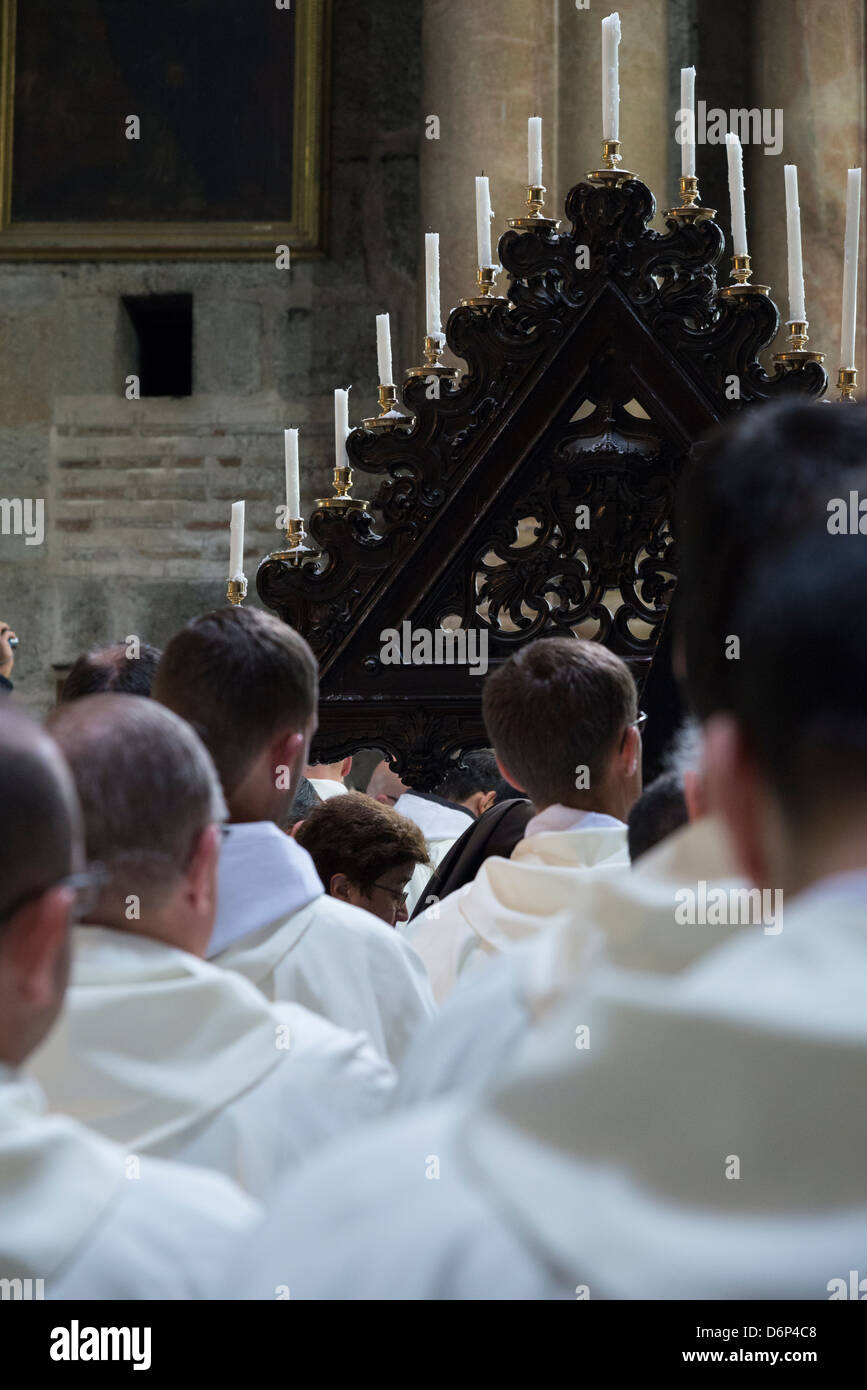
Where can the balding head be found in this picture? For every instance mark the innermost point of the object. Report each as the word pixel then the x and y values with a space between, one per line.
pixel 148 792
pixel 124 668
pixel 40 845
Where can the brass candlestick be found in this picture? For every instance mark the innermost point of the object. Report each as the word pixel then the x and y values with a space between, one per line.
pixel 343 502
pixel 485 299
pixel 388 418
pixel 534 220
pixel 741 272
pixel 847 378
pixel 798 351
pixel 690 209
pixel 295 551
pixel 611 174
pixel 236 591
pixel 433 346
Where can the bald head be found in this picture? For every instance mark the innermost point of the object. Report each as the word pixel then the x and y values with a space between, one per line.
pixel 147 788
pixel 40 827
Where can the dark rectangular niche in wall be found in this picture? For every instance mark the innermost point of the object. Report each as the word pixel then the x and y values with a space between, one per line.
pixel 163 325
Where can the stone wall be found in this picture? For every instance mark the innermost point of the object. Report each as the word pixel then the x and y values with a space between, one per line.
pixel 137 493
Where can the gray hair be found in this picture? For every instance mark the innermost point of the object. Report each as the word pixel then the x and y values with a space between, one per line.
pixel 684 751
pixel 147 787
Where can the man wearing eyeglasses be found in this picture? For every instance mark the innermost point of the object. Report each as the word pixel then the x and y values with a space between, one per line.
pixel 71 1214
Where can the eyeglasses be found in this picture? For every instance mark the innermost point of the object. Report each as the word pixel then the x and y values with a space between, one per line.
pixel 638 724
pixel 399 897
pixel 86 887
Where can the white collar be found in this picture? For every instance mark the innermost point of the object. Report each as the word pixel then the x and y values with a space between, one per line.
pixel 264 877
pixel 558 818
pixel 435 821
pixel 326 787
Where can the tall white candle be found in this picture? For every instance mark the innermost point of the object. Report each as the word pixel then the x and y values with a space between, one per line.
pixel 735 156
pixel 432 277
pixel 483 220
pixel 797 306
pixel 611 77
pixel 293 481
pixel 687 109
pixel 850 269
pixel 236 542
pixel 383 349
pixel 534 152
pixel 341 425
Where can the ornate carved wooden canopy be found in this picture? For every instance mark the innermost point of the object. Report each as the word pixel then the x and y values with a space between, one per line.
pixel 534 495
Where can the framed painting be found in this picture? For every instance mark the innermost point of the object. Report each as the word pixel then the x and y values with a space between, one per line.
pixel 135 129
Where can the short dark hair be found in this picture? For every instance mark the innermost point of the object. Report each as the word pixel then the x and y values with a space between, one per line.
pixel 239 676
pixel 40 826
pixel 558 704
pixel 475 772
pixel 799 690
pixel 110 669
pixel 658 812
pixel 747 483
pixel 354 835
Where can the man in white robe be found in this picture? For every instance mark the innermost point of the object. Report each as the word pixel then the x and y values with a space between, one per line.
pixel 562 717
pixel 78 1218
pixel 689 1134
pixel 248 684
pixel 328 779
pixel 157 1048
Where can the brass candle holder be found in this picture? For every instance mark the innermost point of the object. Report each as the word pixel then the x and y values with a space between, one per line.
pixel 690 209
pixel 534 219
pixel 611 174
pixel 798 352
pixel 343 501
pixel 236 591
pixel 389 418
pixel 294 551
pixel 741 272
pixel 847 379
pixel 433 346
pixel 485 299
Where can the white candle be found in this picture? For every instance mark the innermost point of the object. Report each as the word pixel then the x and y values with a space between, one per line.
pixel 797 306
pixel 850 269
pixel 432 275
pixel 483 220
pixel 534 151
pixel 687 111
pixel 341 425
pixel 293 481
pixel 236 542
pixel 383 349
pixel 736 194
pixel 611 77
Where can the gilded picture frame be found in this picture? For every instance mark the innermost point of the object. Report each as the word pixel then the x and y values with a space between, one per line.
pixel 224 238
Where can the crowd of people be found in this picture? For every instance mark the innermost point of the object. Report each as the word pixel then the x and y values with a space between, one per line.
pixel 538 1034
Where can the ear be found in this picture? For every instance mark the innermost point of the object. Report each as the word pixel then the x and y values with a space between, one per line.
pixel 734 791
pixel 35 948
pixel 486 801
pixel 504 772
pixel 694 794
pixel 346 767
pixel 287 749
pixel 339 887
pixel 200 886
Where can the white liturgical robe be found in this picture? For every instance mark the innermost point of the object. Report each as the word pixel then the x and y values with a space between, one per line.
pixel 512 899
pixel 441 826
pixel 277 927
pixel 690 1135
pixel 75 1216
pixel 326 787
pixel 170 1055
pixel 631 917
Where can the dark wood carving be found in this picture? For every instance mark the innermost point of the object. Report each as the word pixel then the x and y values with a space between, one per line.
pixel 533 496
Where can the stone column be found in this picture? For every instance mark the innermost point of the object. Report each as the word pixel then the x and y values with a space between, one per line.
pixel 810 61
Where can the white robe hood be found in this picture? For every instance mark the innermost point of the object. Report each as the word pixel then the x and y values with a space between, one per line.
pixel 512 899
pixel 708 1141
pixel 56 1181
